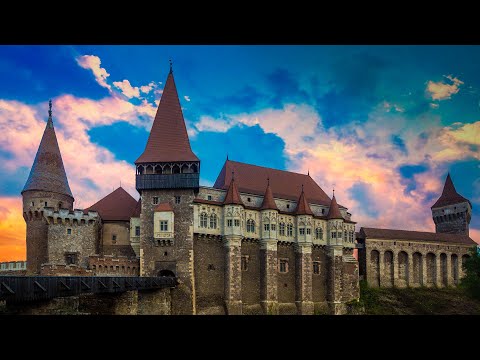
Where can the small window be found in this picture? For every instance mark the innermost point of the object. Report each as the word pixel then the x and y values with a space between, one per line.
pixel 316 267
pixel 46 204
pixel 244 263
pixel 114 238
pixel 165 253
pixel 70 258
pixel 323 211
pixel 69 231
pixel 309 231
pixel 237 222
pixel 249 200
pixel 266 227
pixel 137 230
pixel 301 231
pixel 155 200
pixel 33 204
pixel 273 227
pixel 229 222
pixel 283 265
pixel 177 199
pixel 288 206
pixel 163 225
pixel 210 267
pixel 209 197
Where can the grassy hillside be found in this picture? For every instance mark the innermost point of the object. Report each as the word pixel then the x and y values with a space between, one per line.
pixel 418 301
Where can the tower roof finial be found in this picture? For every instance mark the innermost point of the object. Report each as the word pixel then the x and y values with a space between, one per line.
pixel 227 156
pixel 171 68
pixel 50 108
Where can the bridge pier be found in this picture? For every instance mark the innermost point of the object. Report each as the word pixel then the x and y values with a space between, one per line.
pixel 155 302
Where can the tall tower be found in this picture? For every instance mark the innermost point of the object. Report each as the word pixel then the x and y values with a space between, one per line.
pixel 47 186
pixel 168 172
pixel 451 212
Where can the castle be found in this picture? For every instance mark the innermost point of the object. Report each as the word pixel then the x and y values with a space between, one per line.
pixel 260 241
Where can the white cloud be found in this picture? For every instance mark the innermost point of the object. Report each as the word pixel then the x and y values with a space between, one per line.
pixel 147 88
pixel 187 98
pixel 93 63
pixel 127 89
pixel 442 91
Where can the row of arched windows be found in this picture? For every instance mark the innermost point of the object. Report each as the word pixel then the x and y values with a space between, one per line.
pixel 167 169
pixel 449 217
pixel 205 220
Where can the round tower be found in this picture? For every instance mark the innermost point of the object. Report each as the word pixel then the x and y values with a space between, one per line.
pixel 46 187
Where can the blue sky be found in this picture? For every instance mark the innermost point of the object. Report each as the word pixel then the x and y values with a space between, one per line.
pixel 383 124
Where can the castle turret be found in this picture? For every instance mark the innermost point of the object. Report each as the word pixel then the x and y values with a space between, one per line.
pixel 46 187
pixel 451 212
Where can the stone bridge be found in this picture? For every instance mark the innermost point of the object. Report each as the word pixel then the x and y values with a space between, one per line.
pixel 86 295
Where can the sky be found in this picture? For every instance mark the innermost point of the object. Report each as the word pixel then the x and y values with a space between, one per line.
pixel 383 125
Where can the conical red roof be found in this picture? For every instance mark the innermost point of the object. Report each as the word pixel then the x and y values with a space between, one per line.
pixel 334 211
pixel 302 205
pixel 268 201
pixel 233 196
pixel 168 140
pixel 449 195
pixel 119 205
pixel 48 172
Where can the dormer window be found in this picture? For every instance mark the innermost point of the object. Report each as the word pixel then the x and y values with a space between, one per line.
pixel 209 197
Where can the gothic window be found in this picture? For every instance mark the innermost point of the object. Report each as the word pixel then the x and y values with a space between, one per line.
pixel 273 227
pixel 283 265
pixel 210 267
pixel 244 263
pixel 301 231
pixel 163 225
pixel 316 267
pixel 237 222
pixel 266 227
pixel 137 230
pixel 203 220
pixel 319 233
pixel 309 231
pixel 334 234
pixel 250 226
pixel 213 221
pixel 339 235
pixel 155 200
pixel 281 229
pixel 229 222
pixel 289 230
pixel 177 199
pixel 176 169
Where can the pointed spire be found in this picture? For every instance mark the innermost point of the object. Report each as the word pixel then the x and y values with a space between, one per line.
pixel 449 195
pixel 302 205
pixel 227 156
pixel 334 210
pixel 308 172
pixel 171 68
pixel 233 196
pixel 47 172
pixel 168 140
pixel 268 201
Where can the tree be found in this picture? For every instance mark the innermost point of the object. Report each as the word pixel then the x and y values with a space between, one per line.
pixel 471 280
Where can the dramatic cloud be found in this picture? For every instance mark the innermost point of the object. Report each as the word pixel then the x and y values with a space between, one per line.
pixel 92 63
pixel 442 91
pixel 127 89
pixel 12 229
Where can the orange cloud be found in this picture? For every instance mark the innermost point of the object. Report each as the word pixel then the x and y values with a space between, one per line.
pixel 12 229
pixel 442 91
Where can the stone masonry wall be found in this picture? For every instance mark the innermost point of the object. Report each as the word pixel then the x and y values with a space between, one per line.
pixel 251 278
pixel 319 281
pixel 286 281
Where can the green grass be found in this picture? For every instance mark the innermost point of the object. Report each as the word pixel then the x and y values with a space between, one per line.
pixel 415 301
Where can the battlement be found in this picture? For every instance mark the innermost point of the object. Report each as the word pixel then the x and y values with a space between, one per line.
pixel 64 270
pixel 109 265
pixel 75 217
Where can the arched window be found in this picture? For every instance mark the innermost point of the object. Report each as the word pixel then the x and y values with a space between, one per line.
pixel 176 169
pixel 158 169
pixel 281 229
pixel 250 226
pixel 185 169
pixel 289 229
pixel 194 168
pixel 213 221
pixel 149 169
pixel 319 233
pixel 203 220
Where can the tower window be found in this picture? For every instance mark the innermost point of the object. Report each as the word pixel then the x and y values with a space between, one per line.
pixel 250 226
pixel 281 229
pixel 114 238
pixel 249 200
pixel 316 267
pixel 33 204
pixel 288 206
pixel 177 199
pixel 229 222
pixel 163 225
pixel 309 231
pixel 209 197
pixel 237 222
pixel 273 227
pixel 203 220
pixel 70 258
pixel 244 263
pixel 213 221
pixel 283 266
pixel 69 231
pixel 289 230
pixel 46 204
pixel 137 230
pixel 301 231
pixel 323 211
pixel 266 227
pixel 155 200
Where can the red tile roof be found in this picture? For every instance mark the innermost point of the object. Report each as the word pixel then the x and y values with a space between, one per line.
pixel 164 207
pixel 268 201
pixel 138 209
pixel 47 172
pixel 116 206
pixel 302 205
pixel 449 195
pixel 233 196
pixel 405 235
pixel 168 140
pixel 285 184
pixel 334 211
